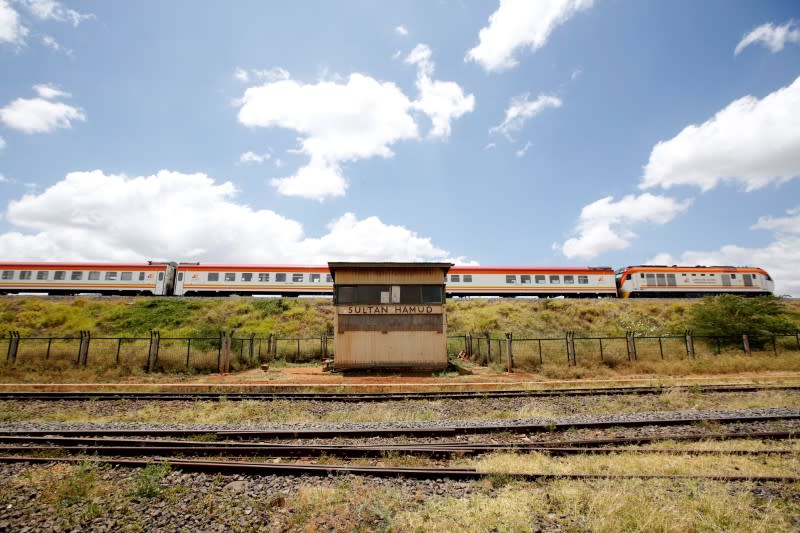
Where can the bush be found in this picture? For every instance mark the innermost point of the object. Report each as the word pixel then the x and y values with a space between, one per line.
pixel 731 316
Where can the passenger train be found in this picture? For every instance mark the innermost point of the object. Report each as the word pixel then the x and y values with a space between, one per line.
pixel 196 279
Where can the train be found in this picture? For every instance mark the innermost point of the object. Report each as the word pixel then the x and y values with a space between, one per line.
pixel 198 279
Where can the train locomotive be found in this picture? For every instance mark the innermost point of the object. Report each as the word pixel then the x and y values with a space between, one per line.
pixel 198 279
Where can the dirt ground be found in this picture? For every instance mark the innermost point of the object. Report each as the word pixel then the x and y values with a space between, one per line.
pixel 314 379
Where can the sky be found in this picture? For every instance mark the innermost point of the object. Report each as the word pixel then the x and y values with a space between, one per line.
pixel 518 132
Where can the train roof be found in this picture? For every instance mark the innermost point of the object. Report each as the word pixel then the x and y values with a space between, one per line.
pixel 713 268
pixel 530 269
pixel 50 265
pixel 253 267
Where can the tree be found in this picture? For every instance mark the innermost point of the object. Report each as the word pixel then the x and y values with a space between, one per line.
pixel 731 316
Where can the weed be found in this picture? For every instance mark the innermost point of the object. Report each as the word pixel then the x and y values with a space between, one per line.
pixel 148 480
pixel 75 486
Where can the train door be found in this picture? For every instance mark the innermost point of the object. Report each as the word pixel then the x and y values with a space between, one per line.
pixel 748 280
pixel 161 281
pixel 179 282
pixel 726 280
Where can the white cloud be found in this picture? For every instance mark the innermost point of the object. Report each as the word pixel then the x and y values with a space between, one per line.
pixel 253 158
pixel 241 74
pixel 522 151
pixel 2 143
pixel 605 225
pixel 520 109
pixel 401 30
pixel 576 73
pixel 490 146
pixel 753 142
pixel 517 24
pixel 11 29
pixel 53 10
pixel 442 101
pixel 3 179
pixel 40 115
pixel 354 119
pixel 99 216
pixel 52 44
pixel 50 92
pixel 779 257
pixel 771 36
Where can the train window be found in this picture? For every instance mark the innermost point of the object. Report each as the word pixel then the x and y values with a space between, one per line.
pixel 230 276
pixel 671 281
pixel 583 280
pixel 315 278
pixel 642 275
pixel 180 276
pixel 733 276
pixel 263 276
pixel 43 274
pixel 511 278
pixel 525 279
pixel 76 275
pixel 569 280
pixel 467 278
pixel 25 274
pixel 540 279
pixel 8 274
pixel 59 275
pixel 651 279
pixel 661 279
pixel 111 276
pixel 455 278
pixel 125 276
pixel 297 278
pixel 141 276
pixel 160 276
pixel 555 280
pixel 328 278
pixel 280 276
pixel 247 276
pixel 213 276
pixel 94 275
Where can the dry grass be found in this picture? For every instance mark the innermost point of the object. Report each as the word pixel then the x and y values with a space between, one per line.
pixel 639 464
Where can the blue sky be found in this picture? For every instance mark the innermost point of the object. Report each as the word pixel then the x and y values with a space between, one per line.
pixel 559 132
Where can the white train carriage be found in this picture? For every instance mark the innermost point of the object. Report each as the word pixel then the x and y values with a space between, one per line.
pixel 282 280
pixel 652 281
pixel 588 282
pixel 99 278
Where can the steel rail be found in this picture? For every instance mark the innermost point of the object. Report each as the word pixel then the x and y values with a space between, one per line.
pixel 239 467
pixel 400 431
pixel 373 397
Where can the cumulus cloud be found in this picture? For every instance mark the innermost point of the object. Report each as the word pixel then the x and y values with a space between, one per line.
pixel 53 10
pixel 348 120
pixel 606 225
pixel 779 257
pixel 520 24
pixel 522 151
pixel 40 115
pixel 253 158
pixel 520 109
pixel 442 101
pixel 99 216
pixel 272 74
pixel 771 36
pixel 401 30
pixel 11 29
pixel 53 45
pixel 752 142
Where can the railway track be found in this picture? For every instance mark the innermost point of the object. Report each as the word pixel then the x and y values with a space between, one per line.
pixel 374 397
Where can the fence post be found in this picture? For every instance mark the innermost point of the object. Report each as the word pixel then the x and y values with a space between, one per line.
pixel 80 349
pixel 541 361
pixel 188 350
pixel 49 344
pixel 601 348
pixel 509 343
pixel 152 356
pixel 570 348
pixel 225 353
pixel 116 359
pixel 631 345
pixel 660 348
pixel 774 346
pixel 746 345
pixel 83 350
pixel 689 343
pixel 13 345
pixel 252 348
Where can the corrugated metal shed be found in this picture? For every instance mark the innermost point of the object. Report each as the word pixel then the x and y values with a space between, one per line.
pixel 390 315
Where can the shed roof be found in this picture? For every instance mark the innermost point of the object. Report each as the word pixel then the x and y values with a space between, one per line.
pixel 333 266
